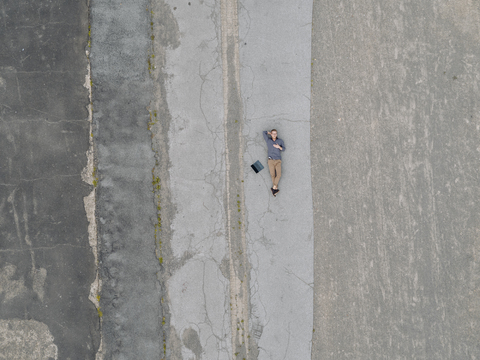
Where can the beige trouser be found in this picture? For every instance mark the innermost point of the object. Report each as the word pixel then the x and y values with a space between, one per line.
pixel 275 167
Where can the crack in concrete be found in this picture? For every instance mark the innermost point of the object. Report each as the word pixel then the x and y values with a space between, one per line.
pixel 43 72
pixel 89 176
pixel 41 248
pixel 290 272
pixel 288 342
pixel 41 120
pixel 36 179
pixel 11 200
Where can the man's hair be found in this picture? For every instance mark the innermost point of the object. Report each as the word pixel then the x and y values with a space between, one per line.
pixel 274 130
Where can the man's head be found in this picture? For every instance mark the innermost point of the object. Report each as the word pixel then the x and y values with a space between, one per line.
pixel 273 132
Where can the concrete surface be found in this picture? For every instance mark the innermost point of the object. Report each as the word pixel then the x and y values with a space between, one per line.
pixel 26 339
pixel 395 159
pixel 188 79
pixel 371 245
pixel 210 296
pixel 275 42
pixel 198 290
pixel 46 263
pixel 131 297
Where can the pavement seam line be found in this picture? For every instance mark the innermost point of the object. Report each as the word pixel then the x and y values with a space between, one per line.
pixel 233 119
pixel 89 175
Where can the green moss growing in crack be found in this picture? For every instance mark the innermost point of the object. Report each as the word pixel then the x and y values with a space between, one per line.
pixel 153 118
pixel 158 225
pixel 100 313
pixel 95 178
pixel 151 56
pixel 89 41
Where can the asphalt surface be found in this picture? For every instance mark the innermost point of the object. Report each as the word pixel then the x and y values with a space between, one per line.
pixel 131 223
pixel 46 262
pixel 395 159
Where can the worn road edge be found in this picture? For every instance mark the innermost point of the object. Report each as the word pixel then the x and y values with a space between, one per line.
pixel 242 344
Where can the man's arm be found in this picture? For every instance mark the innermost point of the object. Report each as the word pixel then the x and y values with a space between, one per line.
pixel 265 135
pixel 283 146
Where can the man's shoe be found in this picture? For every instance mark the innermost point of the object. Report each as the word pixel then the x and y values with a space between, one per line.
pixel 275 192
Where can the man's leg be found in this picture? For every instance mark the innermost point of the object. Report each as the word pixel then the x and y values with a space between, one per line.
pixel 278 171
pixel 271 167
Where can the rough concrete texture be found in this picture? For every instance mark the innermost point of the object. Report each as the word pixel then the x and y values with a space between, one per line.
pixel 243 345
pixel 372 242
pixel 131 296
pixel 275 58
pixel 198 290
pixel 207 187
pixel 199 302
pixel 46 263
pixel 395 159
pixel 26 339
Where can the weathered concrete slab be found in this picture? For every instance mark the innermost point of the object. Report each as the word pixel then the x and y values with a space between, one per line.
pixel 46 263
pixel 275 77
pixel 198 288
pixel 26 339
pixel 197 259
pixel 201 87
pixel 122 91
pixel 395 159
